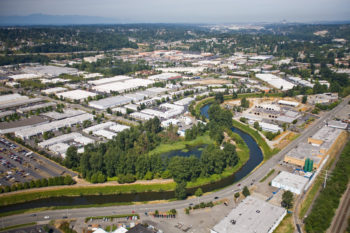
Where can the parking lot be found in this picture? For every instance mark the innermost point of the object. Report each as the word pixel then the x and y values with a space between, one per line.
pixel 19 165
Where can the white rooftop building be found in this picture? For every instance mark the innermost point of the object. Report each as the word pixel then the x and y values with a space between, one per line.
pixel 114 79
pixel 76 94
pixel 54 125
pixel 164 76
pixel 252 215
pixel 123 86
pixel 289 181
pixel 275 81
pixel 54 90
pixel 288 103
pixel 77 137
pixel 23 76
pixel 105 133
pixel 110 102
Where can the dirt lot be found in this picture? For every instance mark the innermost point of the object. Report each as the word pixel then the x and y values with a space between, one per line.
pixel 212 81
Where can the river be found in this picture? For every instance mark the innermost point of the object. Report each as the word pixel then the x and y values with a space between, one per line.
pixel 255 159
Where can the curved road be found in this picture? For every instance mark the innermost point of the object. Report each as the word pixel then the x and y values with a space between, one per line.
pixel 226 192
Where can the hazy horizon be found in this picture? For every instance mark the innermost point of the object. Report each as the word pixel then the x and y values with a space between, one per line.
pixel 182 11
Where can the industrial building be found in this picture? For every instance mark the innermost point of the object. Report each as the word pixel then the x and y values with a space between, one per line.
pixel 35 107
pixel 15 100
pixel 108 129
pixel 288 103
pixel 185 101
pixel 23 76
pixel 337 124
pixel 141 116
pixel 252 215
pixel 60 144
pixel 165 111
pixel 50 71
pixel 65 114
pixel 54 125
pixel 325 98
pixel 275 81
pixel 288 181
pixel 54 90
pixel 114 79
pixel 76 95
pixel 164 76
pixel 123 86
pixel 324 142
pixel 110 102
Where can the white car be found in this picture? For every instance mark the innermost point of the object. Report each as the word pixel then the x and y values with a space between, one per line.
pixel 46 217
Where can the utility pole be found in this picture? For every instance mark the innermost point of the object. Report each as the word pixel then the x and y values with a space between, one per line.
pixel 325 180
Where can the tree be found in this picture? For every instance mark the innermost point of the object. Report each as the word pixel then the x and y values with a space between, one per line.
pixel 256 125
pixel 237 195
pixel 287 199
pixel 244 103
pixel 246 192
pixel 72 159
pixel 198 192
pixel 304 99
pixel 180 190
pixel 68 180
pixel 219 97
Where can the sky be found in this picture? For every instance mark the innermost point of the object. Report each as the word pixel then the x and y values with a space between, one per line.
pixel 186 11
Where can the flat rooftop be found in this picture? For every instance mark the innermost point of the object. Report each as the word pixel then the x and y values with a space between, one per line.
pixel 304 151
pixel 252 215
pixel 286 179
pixel 328 135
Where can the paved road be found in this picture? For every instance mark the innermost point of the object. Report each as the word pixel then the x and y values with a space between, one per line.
pixel 224 193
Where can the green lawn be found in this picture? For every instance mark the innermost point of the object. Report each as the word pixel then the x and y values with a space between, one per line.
pixel 18 226
pixel 182 145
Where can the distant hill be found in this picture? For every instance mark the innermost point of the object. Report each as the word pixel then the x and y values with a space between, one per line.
pixel 41 19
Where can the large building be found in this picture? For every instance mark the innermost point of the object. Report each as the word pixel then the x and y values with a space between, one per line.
pixel 318 147
pixel 275 81
pixel 252 215
pixel 289 181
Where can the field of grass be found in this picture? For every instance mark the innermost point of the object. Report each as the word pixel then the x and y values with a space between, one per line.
pixel 286 226
pixel 18 226
pixel 267 151
pixel 182 145
pixel 83 191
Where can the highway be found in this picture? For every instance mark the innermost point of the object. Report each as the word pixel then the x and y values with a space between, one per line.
pixel 227 192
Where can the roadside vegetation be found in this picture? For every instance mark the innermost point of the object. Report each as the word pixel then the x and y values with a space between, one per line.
pixel 327 202
pixel 267 175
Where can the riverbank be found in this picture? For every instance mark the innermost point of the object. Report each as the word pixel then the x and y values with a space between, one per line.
pixel 267 151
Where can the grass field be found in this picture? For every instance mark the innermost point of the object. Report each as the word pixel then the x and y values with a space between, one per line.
pixel 18 226
pixel 181 145
pixel 286 226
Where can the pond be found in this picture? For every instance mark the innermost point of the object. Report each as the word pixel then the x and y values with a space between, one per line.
pixel 255 159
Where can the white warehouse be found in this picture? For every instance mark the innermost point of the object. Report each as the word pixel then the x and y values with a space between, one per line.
pixel 289 181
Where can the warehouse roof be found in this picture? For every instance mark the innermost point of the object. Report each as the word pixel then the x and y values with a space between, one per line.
pixel 337 124
pixel 286 179
pixel 67 137
pixel 252 215
pixel 23 76
pixel 99 126
pixel 328 135
pixel 105 133
pixel 76 94
pixel 114 79
pixel 110 102
pixel 275 81
pixel 34 107
pixel 54 90
pixel 54 125
pixel 304 151
pixel 164 76
pixel 67 113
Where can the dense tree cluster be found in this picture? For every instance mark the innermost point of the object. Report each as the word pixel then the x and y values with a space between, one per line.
pixel 52 181
pixel 220 119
